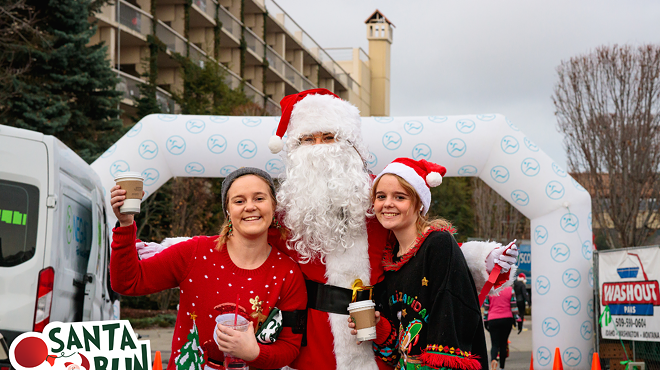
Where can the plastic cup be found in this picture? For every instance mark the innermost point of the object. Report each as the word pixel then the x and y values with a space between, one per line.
pixel 132 182
pixel 363 314
pixel 242 324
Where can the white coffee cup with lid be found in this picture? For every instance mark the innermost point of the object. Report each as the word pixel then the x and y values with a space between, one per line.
pixel 363 315
pixel 132 182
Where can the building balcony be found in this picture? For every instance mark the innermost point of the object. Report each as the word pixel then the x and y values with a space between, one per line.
pixel 129 85
pixel 134 23
pixel 203 13
pixel 232 27
pixel 296 81
pixel 278 19
pixel 175 43
pixel 255 46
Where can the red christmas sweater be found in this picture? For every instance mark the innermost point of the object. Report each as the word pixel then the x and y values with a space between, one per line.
pixel 208 278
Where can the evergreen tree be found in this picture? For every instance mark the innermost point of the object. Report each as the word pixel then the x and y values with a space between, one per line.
pixel 69 91
pixel 453 201
pixel 147 103
pixel 205 90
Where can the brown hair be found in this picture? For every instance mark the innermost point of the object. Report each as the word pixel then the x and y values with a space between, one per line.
pixel 422 222
pixel 224 228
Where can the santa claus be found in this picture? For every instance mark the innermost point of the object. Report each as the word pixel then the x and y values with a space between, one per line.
pixel 324 201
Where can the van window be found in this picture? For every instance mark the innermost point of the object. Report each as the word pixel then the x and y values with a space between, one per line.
pixel 19 208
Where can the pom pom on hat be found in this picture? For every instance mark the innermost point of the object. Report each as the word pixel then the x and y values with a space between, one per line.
pixel 421 175
pixel 275 144
pixel 434 179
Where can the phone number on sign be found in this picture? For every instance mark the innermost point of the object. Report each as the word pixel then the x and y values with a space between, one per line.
pixel 628 322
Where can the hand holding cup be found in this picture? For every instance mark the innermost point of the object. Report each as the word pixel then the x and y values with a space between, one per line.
pixel 352 324
pixel 117 198
pixel 126 196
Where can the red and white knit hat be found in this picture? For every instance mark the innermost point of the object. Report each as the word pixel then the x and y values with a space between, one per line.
pixel 317 110
pixel 422 175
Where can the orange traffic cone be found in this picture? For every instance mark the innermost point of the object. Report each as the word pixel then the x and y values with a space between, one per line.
pixel 595 362
pixel 531 362
pixel 557 365
pixel 158 363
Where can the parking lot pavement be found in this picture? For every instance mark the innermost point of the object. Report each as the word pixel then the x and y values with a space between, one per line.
pixel 161 340
pixel 520 348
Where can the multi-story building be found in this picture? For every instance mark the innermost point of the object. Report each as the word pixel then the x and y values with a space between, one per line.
pixel 256 42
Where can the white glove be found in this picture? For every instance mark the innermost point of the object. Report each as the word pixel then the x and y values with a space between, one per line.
pixel 147 250
pixel 505 260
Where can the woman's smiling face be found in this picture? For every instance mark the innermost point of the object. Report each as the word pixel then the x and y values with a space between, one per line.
pixel 393 206
pixel 250 206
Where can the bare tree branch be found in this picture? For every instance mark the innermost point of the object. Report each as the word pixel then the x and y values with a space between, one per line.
pixel 607 105
pixel 495 218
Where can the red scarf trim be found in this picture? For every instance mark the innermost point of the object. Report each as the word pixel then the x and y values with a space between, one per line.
pixel 388 255
pixel 439 357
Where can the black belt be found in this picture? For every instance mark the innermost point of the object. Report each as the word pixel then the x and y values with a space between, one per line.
pixel 296 320
pixel 330 298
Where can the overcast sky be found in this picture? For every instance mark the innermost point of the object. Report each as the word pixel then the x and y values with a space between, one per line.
pixel 482 56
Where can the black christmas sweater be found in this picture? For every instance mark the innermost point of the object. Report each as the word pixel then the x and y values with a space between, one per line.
pixel 430 315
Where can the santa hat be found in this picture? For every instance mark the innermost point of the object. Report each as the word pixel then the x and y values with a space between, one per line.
pixel 422 175
pixel 317 110
pixel 522 277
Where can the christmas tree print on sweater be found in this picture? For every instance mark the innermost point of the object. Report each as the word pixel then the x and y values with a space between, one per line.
pixel 192 355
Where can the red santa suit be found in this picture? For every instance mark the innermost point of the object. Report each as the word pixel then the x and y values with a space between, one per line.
pixel 307 117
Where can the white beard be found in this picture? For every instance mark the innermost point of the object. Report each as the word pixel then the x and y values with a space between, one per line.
pixel 325 199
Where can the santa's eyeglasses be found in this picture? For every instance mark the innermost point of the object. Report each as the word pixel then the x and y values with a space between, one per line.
pixel 317 138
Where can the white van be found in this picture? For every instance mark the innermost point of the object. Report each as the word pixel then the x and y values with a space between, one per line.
pixel 54 247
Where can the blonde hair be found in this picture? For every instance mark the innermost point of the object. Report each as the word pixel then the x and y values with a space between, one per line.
pixel 224 228
pixel 423 221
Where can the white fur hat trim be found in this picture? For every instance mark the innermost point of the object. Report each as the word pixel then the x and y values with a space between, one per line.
pixel 324 113
pixel 415 180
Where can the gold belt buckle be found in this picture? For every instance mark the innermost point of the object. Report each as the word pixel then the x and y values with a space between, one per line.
pixel 358 286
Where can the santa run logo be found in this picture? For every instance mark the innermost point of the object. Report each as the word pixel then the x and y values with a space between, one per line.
pixel 631 298
pixel 106 345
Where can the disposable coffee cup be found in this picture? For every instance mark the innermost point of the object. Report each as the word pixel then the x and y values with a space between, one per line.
pixel 131 182
pixel 363 315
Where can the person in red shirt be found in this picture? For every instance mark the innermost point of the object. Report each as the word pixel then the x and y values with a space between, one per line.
pixel 211 272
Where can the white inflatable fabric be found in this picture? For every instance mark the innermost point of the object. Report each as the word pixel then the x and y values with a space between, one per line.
pixel 487 145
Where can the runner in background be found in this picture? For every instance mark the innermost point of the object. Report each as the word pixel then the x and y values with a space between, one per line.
pixel 500 313
pixel 521 294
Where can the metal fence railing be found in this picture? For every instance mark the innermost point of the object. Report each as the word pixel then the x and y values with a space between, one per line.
pixel 254 43
pixel 129 85
pixel 229 23
pixel 134 18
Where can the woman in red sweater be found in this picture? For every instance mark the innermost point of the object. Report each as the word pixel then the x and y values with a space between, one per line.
pixel 212 271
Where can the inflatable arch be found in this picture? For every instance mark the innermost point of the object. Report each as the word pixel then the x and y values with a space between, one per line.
pixel 487 146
